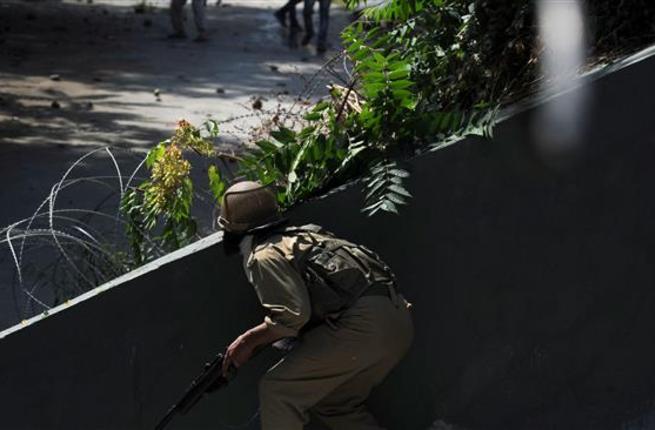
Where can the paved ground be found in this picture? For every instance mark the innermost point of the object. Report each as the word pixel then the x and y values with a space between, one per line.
pixel 109 63
pixel 76 75
pixel 107 55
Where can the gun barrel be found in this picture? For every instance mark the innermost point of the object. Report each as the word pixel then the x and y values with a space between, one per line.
pixel 167 418
pixel 209 380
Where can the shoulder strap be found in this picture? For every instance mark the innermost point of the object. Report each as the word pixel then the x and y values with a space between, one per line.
pixel 307 228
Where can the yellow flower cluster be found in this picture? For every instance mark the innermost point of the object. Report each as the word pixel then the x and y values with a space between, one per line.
pixel 168 174
pixel 188 136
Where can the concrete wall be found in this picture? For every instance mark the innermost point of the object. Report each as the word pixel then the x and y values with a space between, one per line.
pixel 533 288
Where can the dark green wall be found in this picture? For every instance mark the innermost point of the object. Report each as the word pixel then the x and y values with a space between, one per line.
pixel 532 281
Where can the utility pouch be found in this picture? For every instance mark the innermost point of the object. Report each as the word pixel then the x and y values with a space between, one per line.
pixel 336 272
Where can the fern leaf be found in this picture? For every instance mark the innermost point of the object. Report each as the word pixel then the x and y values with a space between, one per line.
pixel 384 188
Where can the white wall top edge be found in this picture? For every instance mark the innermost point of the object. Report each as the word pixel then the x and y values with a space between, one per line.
pixel 199 245
pixel 583 79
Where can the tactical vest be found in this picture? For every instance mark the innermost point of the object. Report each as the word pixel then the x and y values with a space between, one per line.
pixel 336 272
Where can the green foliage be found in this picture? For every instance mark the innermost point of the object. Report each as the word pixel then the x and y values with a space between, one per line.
pixel 405 97
pixel 301 163
pixel 216 183
pixel 413 89
pixel 412 103
pixel 384 188
pixel 158 210
pixel 426 74
pixel 393 10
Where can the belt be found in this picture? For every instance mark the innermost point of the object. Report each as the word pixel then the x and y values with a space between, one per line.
pixel 377 289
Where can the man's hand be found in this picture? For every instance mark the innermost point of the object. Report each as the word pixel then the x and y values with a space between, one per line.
pixel 243 348
pixel 237 354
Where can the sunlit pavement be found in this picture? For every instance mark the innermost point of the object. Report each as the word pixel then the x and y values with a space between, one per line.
pixel 80 75
pixel 119 81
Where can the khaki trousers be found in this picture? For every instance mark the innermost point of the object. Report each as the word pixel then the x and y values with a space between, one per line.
pixel 332 370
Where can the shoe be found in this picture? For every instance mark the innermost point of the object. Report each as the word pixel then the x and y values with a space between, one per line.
pixel 306 39
pixel 201 38
pixel 177 35
pixel 295 27
pixel 281 17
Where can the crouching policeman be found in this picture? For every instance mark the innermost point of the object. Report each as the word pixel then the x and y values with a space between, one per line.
pixel 337 299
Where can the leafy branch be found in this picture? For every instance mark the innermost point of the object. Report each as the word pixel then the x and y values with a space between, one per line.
pixel 163 202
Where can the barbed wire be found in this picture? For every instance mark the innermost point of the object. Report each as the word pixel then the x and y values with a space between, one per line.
pixel 87 253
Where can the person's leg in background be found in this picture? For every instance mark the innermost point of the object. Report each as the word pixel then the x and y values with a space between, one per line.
pixel 281 13
pixel 323 23
pixel 293 16
pixel 307 13
pixel 199 9
pixel 288 9
pixel 177 19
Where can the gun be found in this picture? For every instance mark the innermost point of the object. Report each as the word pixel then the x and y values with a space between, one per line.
pixel 210 380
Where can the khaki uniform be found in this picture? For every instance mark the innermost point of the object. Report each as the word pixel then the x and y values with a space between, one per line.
pixel 335 364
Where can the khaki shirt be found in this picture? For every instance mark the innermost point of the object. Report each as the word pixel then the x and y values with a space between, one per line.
pixel 280 287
